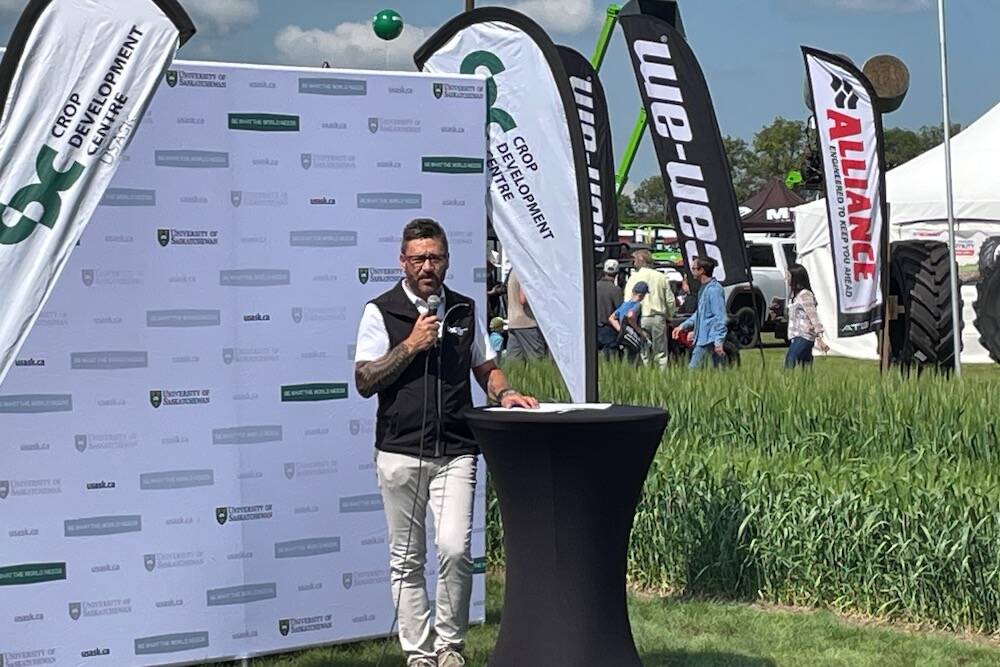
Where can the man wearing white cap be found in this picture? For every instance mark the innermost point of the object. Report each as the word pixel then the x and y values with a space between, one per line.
pixel 609 297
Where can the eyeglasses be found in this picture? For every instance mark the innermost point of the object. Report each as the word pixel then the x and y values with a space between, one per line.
pixel 417 261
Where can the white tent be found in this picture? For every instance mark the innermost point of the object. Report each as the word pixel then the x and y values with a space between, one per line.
pixel 917 210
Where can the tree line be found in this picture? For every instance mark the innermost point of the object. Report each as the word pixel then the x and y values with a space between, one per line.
pixel 774 151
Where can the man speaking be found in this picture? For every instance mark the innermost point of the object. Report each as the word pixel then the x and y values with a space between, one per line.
pixel 417 344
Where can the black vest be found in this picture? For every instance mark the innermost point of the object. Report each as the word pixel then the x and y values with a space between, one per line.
pixel 401 407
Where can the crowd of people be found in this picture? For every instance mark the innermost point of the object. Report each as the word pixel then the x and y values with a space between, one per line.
pixel 644 319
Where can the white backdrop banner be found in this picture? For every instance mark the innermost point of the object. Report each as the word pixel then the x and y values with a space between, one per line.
pixel 186 472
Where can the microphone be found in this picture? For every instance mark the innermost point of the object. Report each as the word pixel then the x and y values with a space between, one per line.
pixel 433 303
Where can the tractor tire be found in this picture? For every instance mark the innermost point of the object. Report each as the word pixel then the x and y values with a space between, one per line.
pixel 988 255
pixel 746 326
pixel 987 308
pixel 919 278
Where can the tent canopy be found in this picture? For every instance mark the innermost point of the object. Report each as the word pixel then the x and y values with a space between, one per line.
pixel 770 210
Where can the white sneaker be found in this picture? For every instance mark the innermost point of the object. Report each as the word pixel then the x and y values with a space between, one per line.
pixel 450 657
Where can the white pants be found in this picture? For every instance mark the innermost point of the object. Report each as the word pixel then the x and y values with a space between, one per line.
pixel 448 485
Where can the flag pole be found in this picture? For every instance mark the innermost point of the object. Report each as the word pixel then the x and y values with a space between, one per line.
pixel 956 315
pixel 470 5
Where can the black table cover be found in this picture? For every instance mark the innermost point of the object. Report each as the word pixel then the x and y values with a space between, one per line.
pixel 568 485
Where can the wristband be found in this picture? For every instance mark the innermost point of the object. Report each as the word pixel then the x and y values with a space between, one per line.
pixel 505 392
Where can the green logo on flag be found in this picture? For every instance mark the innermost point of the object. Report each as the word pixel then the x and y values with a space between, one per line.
pixel 20 216
pixel 478 59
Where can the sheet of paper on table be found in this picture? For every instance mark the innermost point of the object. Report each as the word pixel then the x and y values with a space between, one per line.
pixel 557 407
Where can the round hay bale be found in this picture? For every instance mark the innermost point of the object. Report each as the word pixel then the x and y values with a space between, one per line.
pixel 890 78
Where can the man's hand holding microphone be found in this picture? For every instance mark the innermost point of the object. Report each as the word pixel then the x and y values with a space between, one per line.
pixel 425 333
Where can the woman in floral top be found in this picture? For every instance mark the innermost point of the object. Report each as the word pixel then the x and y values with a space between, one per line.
pixel 804 328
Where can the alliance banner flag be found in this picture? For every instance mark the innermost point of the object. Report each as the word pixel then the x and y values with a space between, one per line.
pixel 687 139
pixel 74 83
pixel 540 194
pixel 592 107
pixel 850 135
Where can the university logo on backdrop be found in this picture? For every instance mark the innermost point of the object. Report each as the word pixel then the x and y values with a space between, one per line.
pixel 363 276
pixel 222 515
pixel 163 236
pixel 438 90
pixel 75 610
pixel 307 161
pixel 373 125
pixel 149 561
pixel 284 626
pixel 156 398
pixel 4 489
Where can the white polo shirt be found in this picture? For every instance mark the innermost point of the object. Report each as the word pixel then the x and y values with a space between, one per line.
pixel 373 339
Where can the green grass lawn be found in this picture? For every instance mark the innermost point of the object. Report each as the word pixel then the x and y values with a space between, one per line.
pixel 674 633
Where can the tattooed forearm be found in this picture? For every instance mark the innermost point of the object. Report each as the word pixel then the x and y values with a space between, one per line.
pixel 371 377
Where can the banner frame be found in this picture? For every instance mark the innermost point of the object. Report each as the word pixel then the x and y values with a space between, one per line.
pixel 609 195
pixel 551 54
pixel 884 254
pixel 633 11
pixel 172 9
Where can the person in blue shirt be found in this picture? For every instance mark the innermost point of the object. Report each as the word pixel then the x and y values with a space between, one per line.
pixel 628 316
pixel 709 320
pixel 496 335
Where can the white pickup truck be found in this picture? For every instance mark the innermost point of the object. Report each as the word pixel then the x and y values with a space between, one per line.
pixel 749 306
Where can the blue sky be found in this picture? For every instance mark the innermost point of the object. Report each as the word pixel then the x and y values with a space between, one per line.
pixel 748 48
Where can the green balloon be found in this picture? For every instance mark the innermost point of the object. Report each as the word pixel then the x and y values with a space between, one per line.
pixel 388 24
